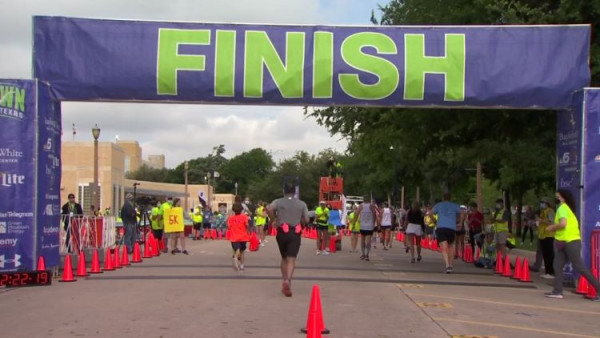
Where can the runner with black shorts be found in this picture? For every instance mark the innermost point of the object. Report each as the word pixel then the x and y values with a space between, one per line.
pixel 449 214
pixel 322 221
pixel 288 214
pixel 367 216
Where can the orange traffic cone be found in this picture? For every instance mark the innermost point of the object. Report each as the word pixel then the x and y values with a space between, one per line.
pixel 220 234
pixel 41 265
pixel 466 253
pixel 68 271
pixel 425 243
pixel 434 245
pixel 95 263
pixel 525 273
pixel 81 271
pixel 147 253
pixel 136 258
pixel 332 244
pixel 582 286
pixel 117 260
pixel 591 292
pixel 124 257
pixel 499 266
pixel 507 272
pixel 108 262
pixel 315 326
pixel 155 251
pixel 518 268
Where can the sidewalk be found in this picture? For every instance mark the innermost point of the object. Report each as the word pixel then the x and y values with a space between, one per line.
pixel 200 295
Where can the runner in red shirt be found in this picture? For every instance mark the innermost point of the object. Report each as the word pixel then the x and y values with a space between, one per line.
pixel 475 224
pixel 239 235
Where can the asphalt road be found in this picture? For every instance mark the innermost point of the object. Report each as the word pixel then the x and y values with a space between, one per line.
pixel 200 295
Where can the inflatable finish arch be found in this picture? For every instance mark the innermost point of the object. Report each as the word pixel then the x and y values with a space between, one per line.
pixel 518 67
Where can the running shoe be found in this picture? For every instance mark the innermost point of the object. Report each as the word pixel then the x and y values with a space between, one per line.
pixel 419 258
pixel 185 252
pixel 362 257
pixel 367 258
pixel 326 253
pixel 449 269
pixel 318 252
pixel 286 289
pixel 547 276
pixel 385 248
pixel 406 249
pixel 597 299
pixel 412 260
pixel 236 266
pixel 241 267
pixel 554 294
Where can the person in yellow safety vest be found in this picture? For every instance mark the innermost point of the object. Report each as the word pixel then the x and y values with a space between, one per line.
pixel 196 216
pixel 260 220
pixel 354 228
pixel 157 222
pixel 500 218
pixel 430 221
pixel 322 220
pixel 567 245
pixel 339 171
pixel 545 244
pixel 165 209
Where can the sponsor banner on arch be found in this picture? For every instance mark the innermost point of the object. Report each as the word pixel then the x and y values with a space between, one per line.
pixel 448 66
pixel 29 183
pixel 591 173
pixel 17 174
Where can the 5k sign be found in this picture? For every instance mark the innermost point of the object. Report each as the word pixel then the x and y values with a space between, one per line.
pixel 493 66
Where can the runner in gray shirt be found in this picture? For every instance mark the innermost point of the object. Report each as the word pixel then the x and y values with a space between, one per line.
pixel 288 214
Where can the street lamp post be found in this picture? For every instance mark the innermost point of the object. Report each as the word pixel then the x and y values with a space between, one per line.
pixel 236 186
pixel 395 183
pixel 186 167
pixel 96 135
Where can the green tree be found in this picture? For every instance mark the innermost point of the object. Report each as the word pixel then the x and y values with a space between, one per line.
pixel 244 169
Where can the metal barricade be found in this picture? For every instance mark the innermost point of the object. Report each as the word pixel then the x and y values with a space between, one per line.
pixel 84 232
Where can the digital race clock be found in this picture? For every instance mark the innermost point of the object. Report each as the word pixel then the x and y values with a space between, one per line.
pixel 28 278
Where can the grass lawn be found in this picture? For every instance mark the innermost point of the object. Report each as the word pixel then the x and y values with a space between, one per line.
pixel 526 245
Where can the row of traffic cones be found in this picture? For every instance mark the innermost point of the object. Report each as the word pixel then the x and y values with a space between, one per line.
pixel 521 272
pixel 111 262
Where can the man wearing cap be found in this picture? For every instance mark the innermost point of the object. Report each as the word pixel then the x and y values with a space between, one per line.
pixel 128 214
pixel 322 220
pixel 70 209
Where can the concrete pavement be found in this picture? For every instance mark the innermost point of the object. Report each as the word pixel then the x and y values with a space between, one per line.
pixel 200 295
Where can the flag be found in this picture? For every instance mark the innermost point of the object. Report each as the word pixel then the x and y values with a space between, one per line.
pixel 202 199
pixel 216 174
pixel 344 209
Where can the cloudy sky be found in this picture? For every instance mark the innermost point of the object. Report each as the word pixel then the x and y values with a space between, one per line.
pixel 191 130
